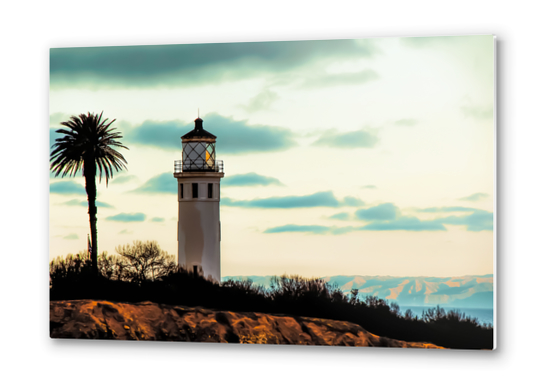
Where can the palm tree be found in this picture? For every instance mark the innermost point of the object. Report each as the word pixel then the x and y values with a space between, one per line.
pixel 88 146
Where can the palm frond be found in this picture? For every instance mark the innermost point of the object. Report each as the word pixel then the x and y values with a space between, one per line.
pixel 88 138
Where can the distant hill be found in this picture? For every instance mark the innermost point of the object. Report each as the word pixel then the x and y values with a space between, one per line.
pixel 459 292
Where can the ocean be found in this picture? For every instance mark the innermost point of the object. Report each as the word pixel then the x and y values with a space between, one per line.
pixel 483 315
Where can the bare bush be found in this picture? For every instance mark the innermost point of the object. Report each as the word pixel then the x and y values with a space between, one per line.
pixel 433 314
pixel 375 302
pixel 143 261
pixel 409 315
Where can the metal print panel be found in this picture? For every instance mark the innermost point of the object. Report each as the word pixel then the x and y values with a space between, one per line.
pixel 334 192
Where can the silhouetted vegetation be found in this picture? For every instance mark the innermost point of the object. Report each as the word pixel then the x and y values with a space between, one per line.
pixel 138 262
pixel 129 278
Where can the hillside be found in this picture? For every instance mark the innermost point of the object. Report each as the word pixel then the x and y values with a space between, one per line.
pixel 459 292
pixel 87 319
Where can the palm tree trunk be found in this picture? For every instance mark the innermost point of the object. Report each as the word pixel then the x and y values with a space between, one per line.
pixel 90 186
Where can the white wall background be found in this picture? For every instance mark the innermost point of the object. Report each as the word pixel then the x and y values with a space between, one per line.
pixel 29 29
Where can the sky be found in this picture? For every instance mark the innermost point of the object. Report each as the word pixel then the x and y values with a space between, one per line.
pixel 341 157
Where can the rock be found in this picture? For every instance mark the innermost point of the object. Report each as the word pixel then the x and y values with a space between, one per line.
pixel 88 319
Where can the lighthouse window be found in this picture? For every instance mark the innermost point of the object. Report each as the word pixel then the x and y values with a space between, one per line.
pixel 210 191
pixel 182 191
pixel 194 190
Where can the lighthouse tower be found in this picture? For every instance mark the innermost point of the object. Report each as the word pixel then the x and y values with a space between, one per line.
pixel 198 177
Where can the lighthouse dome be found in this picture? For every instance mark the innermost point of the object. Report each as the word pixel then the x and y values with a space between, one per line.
pixel 198 133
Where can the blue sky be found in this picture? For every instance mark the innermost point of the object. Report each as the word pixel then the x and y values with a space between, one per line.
pixel 369 156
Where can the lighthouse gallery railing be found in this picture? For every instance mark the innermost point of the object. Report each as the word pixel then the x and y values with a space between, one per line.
pixel 199 165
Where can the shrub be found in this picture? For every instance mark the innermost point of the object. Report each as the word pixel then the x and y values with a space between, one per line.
pixel 142 261
pixel 142 271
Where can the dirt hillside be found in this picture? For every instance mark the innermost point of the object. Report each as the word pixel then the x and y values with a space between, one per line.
pixel 87 319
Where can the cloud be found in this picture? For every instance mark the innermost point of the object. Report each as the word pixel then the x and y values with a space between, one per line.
pixel 447 209
pixel 71 236
pixel 158 134
pixel 190 64
pixel 401 224
pixel 314 229
pixel 368 187
pixel 478 112
pixel 351 201
pixel 100 204
pixel 57 118
pixel 163 183
pixel 166 183
pixel 233 137
pixel 158 219
pixel 249 179
pixel 387 211
pixel 387 217
pixel 124 179
pixel 353 139
pixel 355 78
pixel 406 122
pixel 298 228
pixel 238 137
pixel 340 216
pixel 477 221
pixel 125 232
pixel 75 202
pixel 318 199
pixel 261 101
pixel 475 197
pixel 127 217
pixel 404 223
pixel 67 188
pixel 83 203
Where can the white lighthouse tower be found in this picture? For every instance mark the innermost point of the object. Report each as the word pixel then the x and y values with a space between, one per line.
pixel 198 177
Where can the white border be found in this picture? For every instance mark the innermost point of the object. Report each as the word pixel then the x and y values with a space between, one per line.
pixel 29 29
pixel 495 191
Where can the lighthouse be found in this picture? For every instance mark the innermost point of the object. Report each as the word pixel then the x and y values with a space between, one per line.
pixel 198 177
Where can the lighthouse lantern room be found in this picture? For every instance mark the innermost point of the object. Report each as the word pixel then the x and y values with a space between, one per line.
pixel 198 177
